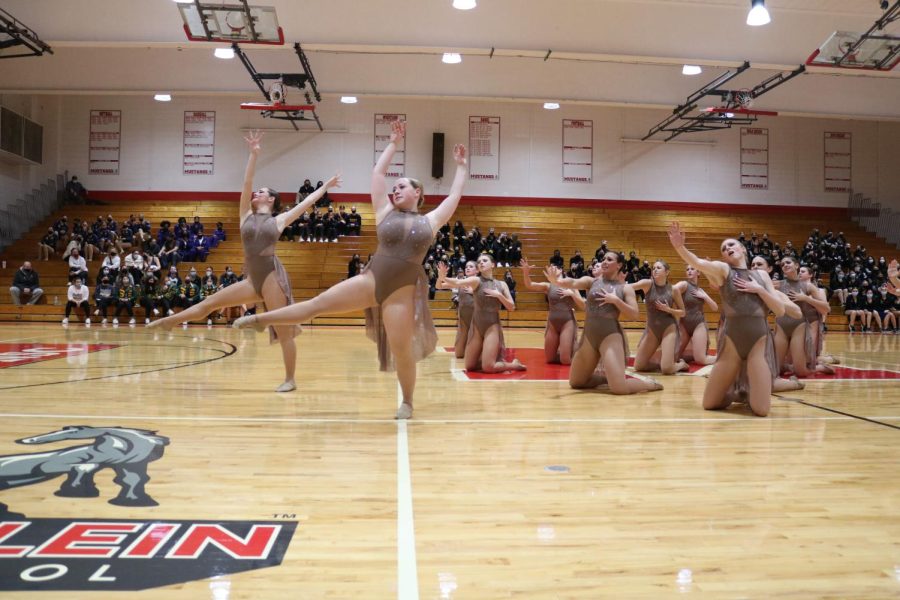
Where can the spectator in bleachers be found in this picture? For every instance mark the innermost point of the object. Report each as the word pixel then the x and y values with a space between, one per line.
pixel 77 266
pixel 134 263
pixel 61 227
pixel 576 264
pixel 853 308
pixel 168 255
pixel 104 297
pixel 459 233
pixel 330 225
pixel 75 192
pixel 47 244
pixel 510 283
pixel 201 247
pixel 126 299
pixel 170 291
pixel 871 310
pixel 197 226
pixel 837 284
pixel 73 244
pixel 305 190
pixel 227 278
pixel 600 252
pixel 354 222
pixel 219 234
pixel 353 267
pixel 190 292
pixel 26 285
pixel 515 250
pixel 325 200
pixel 151 295
pixel 111 265
pixel 887 305
pixel 152 266
pixel 78 295
pixel 207 289
pixel 557 261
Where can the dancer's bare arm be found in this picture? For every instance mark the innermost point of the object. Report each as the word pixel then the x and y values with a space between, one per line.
pixel 582 283
pixel 445 210
pixel 380 200
pixel 526 278
pixel 716 271
pixel 285 218
pixel 253 140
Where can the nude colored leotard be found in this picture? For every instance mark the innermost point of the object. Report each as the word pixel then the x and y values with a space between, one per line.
pixel 259 233
pixel 602 320
pixel 693 309
pixel 562 309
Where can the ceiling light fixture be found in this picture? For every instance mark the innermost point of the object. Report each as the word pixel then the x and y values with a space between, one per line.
pixel 184 1
pixel 163 97
pixel 551 105
pixel 451 58
pixel 349 99
pixel 464 4
pixel 224 53
pixel 758 14
pixel 691 70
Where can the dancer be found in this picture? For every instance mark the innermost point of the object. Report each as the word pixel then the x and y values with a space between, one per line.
pixel 790 333
pixel 485 347
pixel 664 307
pixel 267 280
pixel 744 353
pixel 603 342
pixel 694 338
pixel 815 307
pixel 394 281
pixel 562 327
pixel 465 301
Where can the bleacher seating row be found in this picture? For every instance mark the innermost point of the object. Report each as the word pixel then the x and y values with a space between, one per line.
pixel 313 267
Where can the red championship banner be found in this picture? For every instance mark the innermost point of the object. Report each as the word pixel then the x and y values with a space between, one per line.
pixel 838 160
pixel 383 122
pixel 484 148
pixel 104 142
pixel 754 158
pixel 577 151
pixel 199 142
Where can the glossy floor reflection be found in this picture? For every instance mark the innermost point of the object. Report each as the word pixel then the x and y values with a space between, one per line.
pixel 495 489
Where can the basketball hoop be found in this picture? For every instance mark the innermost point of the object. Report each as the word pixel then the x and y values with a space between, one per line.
pixel 276 92
pixel 236 23
pixel 744 98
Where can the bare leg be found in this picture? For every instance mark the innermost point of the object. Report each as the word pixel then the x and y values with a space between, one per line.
pixel 668 365
pixel 781 347
pixel 462 336
pixel 274 298
pixel 398 312
pixel 700 346
pixel 583 374
pixel 686 350
pixel 551 345
pixel 722 378
pixel 239 293
pixel 473 349
pixel 614 365
pixel 491 361
pixel 647 347
pixel 567 342
pixel 760 379
pixel 798 351
pixel 351 294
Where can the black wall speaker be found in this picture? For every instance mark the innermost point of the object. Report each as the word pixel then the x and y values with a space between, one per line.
pixel 437 155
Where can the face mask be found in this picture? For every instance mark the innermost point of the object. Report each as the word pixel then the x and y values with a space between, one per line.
pixel 854 293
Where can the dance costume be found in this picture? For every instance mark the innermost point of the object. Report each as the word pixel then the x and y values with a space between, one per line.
pixel 601 319
pixel 403 240
pixel 466 301
pixel 744 323
pixel 259 232
pixel 658 321
pixel 486 312
pixel 693 309
pixel 562 310
pixel 789 324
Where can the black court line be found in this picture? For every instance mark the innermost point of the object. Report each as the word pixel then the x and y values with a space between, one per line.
pixel 225 354
pixel 836 411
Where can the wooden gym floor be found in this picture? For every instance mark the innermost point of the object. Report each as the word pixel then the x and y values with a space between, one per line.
pixel 496 489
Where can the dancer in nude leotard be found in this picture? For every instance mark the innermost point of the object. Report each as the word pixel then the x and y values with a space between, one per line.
pixel 466 307
pixel 484 347
pixel 815 308
pixel 393 288
pixel 562 327
pixel 694 331
pixel 747 297
pixel 602 342
pixel 266 280
pixel 664 307
pixel 792 334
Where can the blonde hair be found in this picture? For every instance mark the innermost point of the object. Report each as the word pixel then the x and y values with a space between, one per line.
pixel 421 189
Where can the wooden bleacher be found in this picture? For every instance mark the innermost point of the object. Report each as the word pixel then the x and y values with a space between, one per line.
pixel 313 267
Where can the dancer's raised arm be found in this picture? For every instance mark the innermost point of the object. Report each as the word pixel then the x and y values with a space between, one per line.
pixel 446 284
pixel 380 200
pixel 289 216
pixel 526 278
pixel 447 207
pixel 714 270
pixel 253 140
pixel 582 283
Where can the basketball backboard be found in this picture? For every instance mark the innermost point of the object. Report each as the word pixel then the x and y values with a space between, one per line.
pixel 231 23
pixel 850 50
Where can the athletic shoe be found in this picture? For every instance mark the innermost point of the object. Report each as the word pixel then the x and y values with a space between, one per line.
pixel 184 325
pixel 104 321
pixel 87 321
pixel 209 321
pixel 170 312
pixel 155 312
pixel 96 312
pixel 65 321
pixel 132 321
pixel 115 321
pixel 146 320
